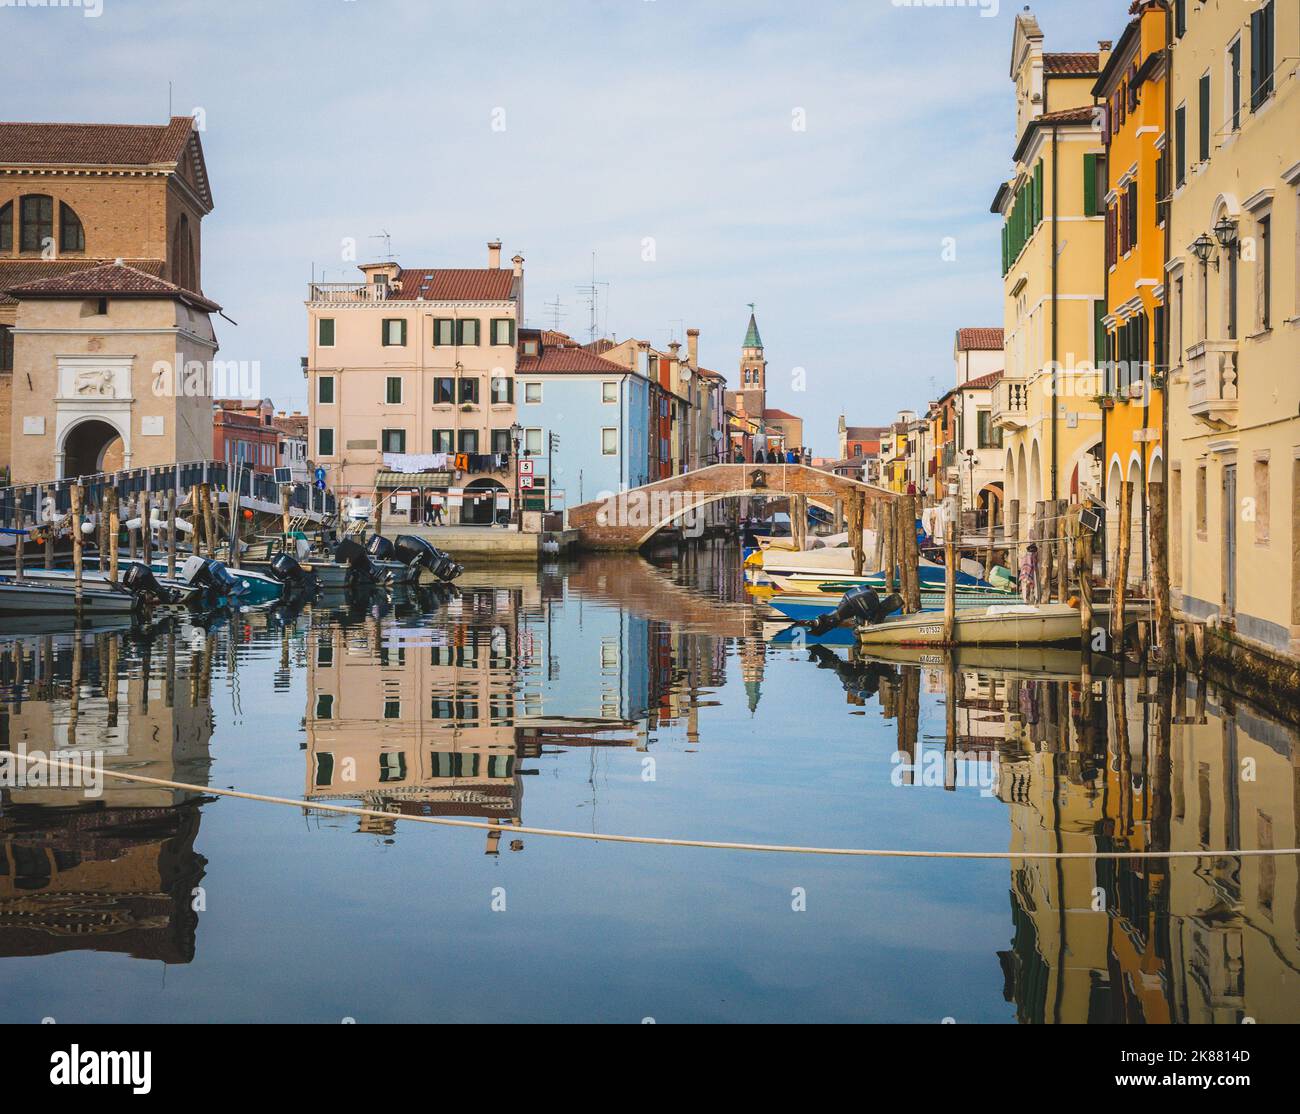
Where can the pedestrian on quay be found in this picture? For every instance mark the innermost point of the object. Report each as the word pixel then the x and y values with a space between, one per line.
pixel 1029 574
pixel 437 513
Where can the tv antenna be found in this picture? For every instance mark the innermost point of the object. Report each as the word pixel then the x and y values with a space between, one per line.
pixel 388 244
pixel 556 310
pixel 591 298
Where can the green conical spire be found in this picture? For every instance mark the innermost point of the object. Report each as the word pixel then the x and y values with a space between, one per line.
pixel 752 339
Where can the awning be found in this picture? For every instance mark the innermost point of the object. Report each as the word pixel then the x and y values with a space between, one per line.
pixel 399 480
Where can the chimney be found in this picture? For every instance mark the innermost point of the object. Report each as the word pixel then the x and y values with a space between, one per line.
pixel 494 254
pixel 1103 52
pixel 693 347
pixel 518 261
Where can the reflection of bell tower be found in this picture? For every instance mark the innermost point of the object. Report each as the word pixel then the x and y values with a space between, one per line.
pixel 753 370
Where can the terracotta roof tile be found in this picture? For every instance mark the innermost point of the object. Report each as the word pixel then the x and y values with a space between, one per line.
pixel 774 413
pixel 980 340
pixel 95 144
pixel 982 381
pixel 455 284
pixel 566 359
pixel 109 279
pixel 1075 63
pixel 20 272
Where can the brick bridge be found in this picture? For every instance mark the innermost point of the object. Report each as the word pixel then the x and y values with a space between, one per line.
pixel 628 519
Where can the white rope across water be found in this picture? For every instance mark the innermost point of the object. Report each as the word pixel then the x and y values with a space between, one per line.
pixel 654 841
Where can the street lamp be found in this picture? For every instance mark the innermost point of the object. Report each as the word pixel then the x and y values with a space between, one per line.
pixel 516 436
pixel 1202 247
pixel 1226 232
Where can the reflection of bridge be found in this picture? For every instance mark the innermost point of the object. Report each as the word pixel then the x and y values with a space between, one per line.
pixel 628 519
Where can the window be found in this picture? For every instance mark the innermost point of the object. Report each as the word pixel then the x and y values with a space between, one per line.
pixel 533 442
pixel 469 390
pixel 1261 502
pixel 392 766
pixel 392 440
pixel 6 348
pixel 469 329
pixel 532 393
pixel 503 389
pixel 325 332
pixel 467 441
pixel 444 390
pixel 609 392
pixel 1180 145
pixel 988 437
pixel 1180 18
pixel 392 709
pixel 324 442
pixel 1261 55
pixel 394 332
pixel 393 390
pixel 324 706
pixel 37 220
pixel 501 441
pixel 444 331
pixel 1202 485
pixel 72 237
pixel 1094 183
pixel 325 390
pixel 1203 124
pixel 444 441
pixel 503 330
pixel 7 226
pixel 609 442
pixel 1234 84
pixel 531 346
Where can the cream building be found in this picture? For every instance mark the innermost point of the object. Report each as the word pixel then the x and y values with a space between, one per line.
pixel 1053 280
pixel 1234 296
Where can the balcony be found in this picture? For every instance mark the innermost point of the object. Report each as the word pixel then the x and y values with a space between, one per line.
pixel 348 293
pixel 1212 382
pixel 1010 404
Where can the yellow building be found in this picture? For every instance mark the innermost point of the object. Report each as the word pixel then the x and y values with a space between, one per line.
pixel 1131 93
pixel 1052 243
pixel 1234 296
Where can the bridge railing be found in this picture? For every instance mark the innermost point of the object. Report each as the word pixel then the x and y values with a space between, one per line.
pixel 22 504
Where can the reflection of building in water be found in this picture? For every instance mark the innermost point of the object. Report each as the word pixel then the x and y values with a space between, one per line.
pixel 438 720
pixel 116 873
pixel 1130 768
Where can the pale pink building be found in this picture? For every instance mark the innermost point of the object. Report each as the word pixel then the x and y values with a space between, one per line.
pixel 411 389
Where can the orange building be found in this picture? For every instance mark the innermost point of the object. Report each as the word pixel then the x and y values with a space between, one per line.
pixel 1131 322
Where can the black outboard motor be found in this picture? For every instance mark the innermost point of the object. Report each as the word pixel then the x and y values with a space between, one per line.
pixel 292 575
pixel 859 605
pixel 211 578
pixel 140 581
pixel 354 555
pixel 380 548
pixel 412 550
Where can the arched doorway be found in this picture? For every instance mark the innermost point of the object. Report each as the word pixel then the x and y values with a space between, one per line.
pixel 92 446
pixel 479 507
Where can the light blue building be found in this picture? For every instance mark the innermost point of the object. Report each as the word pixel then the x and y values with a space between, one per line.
pixel 600 412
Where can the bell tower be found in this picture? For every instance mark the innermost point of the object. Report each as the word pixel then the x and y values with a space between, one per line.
pixel 753 370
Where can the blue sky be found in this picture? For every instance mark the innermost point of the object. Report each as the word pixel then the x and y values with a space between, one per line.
pixel 625 122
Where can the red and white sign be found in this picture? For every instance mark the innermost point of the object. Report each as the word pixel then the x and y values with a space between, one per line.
pixel 525 482
pixel 525 467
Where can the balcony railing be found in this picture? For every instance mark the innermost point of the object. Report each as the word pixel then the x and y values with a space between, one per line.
pixel 349 292
pixel 1212 382
pixel 1010 404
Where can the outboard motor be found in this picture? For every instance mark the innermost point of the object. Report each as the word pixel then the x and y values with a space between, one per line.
pixel 140 581
pixel 412 550
pixel 292 575
pixel 354 555
pixel 380 548
pixel 211 577
pixel 859 605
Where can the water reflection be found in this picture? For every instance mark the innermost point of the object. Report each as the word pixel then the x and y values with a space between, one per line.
pixel 117 873
pixel 505 701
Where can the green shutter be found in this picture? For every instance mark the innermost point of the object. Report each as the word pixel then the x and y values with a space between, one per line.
pixel 1099 329
pixel 1089 185
pixel 1204 123
pixel 1038 189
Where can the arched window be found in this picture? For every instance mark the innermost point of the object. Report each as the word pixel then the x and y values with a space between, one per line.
pixel 72 237
pixel 7 226
pixel 36 215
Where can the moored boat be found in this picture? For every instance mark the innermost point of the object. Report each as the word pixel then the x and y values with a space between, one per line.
pixel 1016 624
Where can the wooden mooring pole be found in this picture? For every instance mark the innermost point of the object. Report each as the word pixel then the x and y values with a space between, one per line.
pixel 114 530
pixel 1119 575
pixel 78 497
pixel 171 532
pixel 950 576
pixel 1164 621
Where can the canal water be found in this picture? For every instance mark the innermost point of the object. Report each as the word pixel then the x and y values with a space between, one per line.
pixel 612 695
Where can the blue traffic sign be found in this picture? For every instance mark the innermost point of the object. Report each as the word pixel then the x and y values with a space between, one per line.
pixel 320 477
